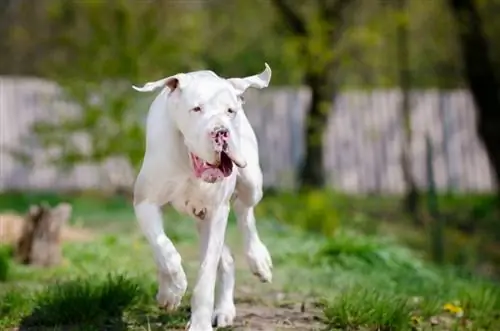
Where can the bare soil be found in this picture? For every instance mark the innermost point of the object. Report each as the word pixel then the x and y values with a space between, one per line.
pixel 285 317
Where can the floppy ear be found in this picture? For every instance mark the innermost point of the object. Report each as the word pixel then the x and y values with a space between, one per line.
pixel 172 82
pixel 258 81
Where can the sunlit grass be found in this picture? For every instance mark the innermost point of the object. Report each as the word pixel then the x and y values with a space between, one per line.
pixel 84 301
pixel 363 281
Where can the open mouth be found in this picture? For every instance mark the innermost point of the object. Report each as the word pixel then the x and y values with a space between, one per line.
pixel 212 172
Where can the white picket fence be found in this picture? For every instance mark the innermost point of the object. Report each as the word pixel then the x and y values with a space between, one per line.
pixel 362 143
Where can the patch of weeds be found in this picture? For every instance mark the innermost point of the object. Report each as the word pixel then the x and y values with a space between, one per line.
pixel 312 211
pixel 375 294
pixel 110 240
pixel 85 301
pixel 5 259
pixel 152 319
pixel 481 305
pixel 148 316
pixel 298 248
pixel 355 251
pixel 14 304
pixel 359 307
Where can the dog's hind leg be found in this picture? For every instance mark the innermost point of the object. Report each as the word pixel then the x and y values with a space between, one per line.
pixel 249 193
pixel 172 280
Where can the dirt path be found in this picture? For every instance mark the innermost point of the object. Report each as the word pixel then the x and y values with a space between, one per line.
pixel 272 310
pixel 287 317
pixel 263 307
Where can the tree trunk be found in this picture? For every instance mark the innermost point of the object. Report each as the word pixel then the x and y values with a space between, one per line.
pixel 481 78
pixel 40 242
pixel 312 172
pixel 410 203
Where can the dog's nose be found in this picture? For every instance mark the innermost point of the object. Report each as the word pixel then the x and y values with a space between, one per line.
pixel 220 136
pixel 220 133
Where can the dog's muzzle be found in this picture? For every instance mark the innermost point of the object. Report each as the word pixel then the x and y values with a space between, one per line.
pixel 226 155
pixel 223 142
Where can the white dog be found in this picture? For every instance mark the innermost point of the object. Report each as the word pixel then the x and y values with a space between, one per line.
pixel 200 152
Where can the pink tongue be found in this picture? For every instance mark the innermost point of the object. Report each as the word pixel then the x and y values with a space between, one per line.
pixel 206 172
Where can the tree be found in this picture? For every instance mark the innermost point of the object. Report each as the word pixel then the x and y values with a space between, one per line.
pixel 98 49
pixel 481 77
pixel 316 29
pixel 403 57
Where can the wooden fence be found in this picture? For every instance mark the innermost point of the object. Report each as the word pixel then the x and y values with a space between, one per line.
pixel 362 150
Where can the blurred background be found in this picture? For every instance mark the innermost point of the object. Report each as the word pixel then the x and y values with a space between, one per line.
pixel 382 117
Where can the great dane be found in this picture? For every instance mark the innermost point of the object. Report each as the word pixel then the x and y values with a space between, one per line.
pixel 201 155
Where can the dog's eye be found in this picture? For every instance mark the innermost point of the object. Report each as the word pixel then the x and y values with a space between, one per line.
pixel 231 111
pixel 196 109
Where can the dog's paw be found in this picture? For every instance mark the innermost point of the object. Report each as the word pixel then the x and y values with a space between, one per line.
pixel 259 260
pixel 223 316
pixel 171 290
pixel 196 327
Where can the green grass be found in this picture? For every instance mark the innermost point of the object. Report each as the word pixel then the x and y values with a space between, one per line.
pixel 387 287
pixel 5 256
pixel 354 308
pixel 357 279
pixel 472 235
pixel 91 208
pixel 114 301
pixel 83 301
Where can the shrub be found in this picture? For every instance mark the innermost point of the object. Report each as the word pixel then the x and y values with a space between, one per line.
pixel 313 211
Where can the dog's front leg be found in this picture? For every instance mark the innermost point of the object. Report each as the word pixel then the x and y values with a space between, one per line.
pixel 258 256
pixel 212 233
pixel 172 280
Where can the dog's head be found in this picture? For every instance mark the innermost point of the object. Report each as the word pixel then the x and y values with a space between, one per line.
pixel 206 110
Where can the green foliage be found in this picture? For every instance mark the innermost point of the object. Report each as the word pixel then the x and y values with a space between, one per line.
pixel 366 281
pixel 470 221
pixel 387 287
pixel 108 121
pixel 84 301
pixel 379 308
pixel 15 303
pixel 93 207
pixel 372 309
pixel 91 48
pixel 113 301
pixel 311 211
pixel 138 41
pixel 352 250
pixel 5 257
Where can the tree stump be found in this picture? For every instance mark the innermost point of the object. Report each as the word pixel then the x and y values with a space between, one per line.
pixel 40 241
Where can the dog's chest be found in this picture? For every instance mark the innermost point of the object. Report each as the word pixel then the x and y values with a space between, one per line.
pixel 199 199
